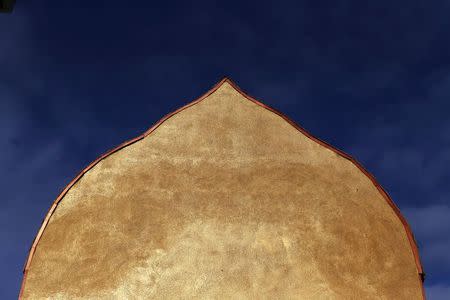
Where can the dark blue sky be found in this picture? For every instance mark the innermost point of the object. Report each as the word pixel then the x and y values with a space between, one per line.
pixel 372 79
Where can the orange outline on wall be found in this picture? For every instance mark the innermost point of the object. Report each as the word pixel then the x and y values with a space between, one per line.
pixel 388 199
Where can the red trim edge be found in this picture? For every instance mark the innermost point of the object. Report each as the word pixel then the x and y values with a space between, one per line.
pixel 385 195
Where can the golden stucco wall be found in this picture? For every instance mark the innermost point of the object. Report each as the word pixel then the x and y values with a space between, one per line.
pixel 224 200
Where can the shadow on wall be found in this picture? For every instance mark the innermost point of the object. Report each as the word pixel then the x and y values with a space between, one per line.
pixel 7 6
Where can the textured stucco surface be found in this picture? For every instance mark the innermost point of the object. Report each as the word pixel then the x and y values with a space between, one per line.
pixel 224 200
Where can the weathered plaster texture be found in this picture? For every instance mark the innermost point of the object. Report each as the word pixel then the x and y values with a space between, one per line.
pixel 224 200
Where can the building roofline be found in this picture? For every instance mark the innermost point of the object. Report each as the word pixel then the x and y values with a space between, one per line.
pixel 410 235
